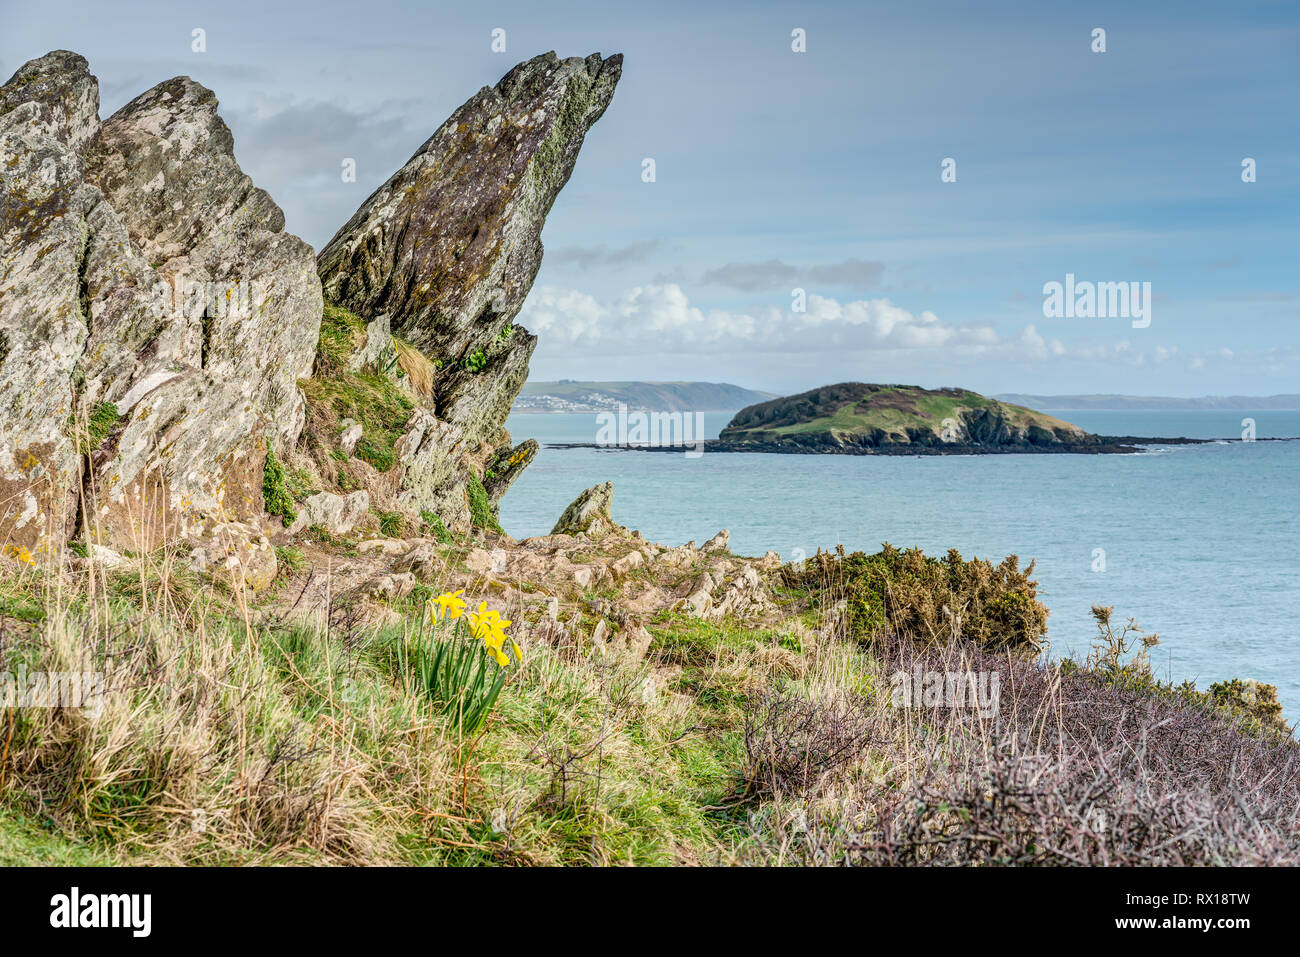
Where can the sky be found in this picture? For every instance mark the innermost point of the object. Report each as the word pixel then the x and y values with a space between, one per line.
pixel 819 171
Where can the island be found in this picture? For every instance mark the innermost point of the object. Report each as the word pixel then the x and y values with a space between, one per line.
pixel 860 418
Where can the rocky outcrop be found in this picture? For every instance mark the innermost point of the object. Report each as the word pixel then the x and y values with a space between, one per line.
pixel 60 94
pixel 588 514
pixel 244 316
pixel 146 288
pixel 436 470
pixel 156 319
pixel 47 111
pixel 449 247
pixel 507 466
pixel 720 542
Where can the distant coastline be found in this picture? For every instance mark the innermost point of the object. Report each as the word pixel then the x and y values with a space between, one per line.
pixel 1154 403
pixel 569 395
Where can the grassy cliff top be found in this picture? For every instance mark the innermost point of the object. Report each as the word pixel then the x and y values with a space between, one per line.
pixel 900 412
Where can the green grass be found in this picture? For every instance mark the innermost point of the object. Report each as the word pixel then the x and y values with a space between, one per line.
pixel 480 506
pixel 101 421
pixel 436 527
pixel 275 496
pixel 289 559
pixel 333 393
pixel 29 841
pixel 587 765
pixel 391 524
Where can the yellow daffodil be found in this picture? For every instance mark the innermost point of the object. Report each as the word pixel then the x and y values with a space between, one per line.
pixel 519 654
pixel 482 621
pixel 489 627
pixel 450 604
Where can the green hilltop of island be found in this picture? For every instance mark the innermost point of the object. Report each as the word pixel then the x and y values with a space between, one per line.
pixel 858 416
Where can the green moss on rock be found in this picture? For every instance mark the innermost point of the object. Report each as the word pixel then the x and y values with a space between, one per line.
pixel 480 506
pixel 277 499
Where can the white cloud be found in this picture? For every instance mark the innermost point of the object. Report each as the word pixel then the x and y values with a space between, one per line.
pixel 660 317
pixel 656 326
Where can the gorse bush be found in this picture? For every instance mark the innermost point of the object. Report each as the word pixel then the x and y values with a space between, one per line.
pixel 1121 658
pixel 911 595
pixel 1253 701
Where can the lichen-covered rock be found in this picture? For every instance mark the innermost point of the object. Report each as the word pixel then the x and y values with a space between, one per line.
pixel 377 351
pixel 506 466
pixel 718 543
pixel 236 552
pixel 148 287
pixel 61 94
pixel 64 263
pixel 449 247
pixel 436 470
pixel 249 302
pixel 588 514
pixel 336 514
pixel 350 436
pixel 155 317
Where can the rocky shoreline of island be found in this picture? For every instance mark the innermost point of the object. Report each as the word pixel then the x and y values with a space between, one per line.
pixel 1105 445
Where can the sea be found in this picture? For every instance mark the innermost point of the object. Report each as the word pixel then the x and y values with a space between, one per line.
pixel 1198 543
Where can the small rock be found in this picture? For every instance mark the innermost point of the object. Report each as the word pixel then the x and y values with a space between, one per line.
pixel 337 514
pixel 636 640
pixel 700 602
pixel 102 555
pixel 388 546
pixel 486 562
pixel 237 552
pixel 625 564
pixel 378 350
pixel 588 513
pixel 419 560
pixel 389 586
pixel 351 436
pixel 718 543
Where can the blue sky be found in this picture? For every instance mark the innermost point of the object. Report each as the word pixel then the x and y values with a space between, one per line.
pixel 818 170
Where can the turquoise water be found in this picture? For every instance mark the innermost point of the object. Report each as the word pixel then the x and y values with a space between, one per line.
pixel 1202 543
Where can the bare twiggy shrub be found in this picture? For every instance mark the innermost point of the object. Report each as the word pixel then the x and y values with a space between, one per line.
pixel 1070 771
pixel 794 745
